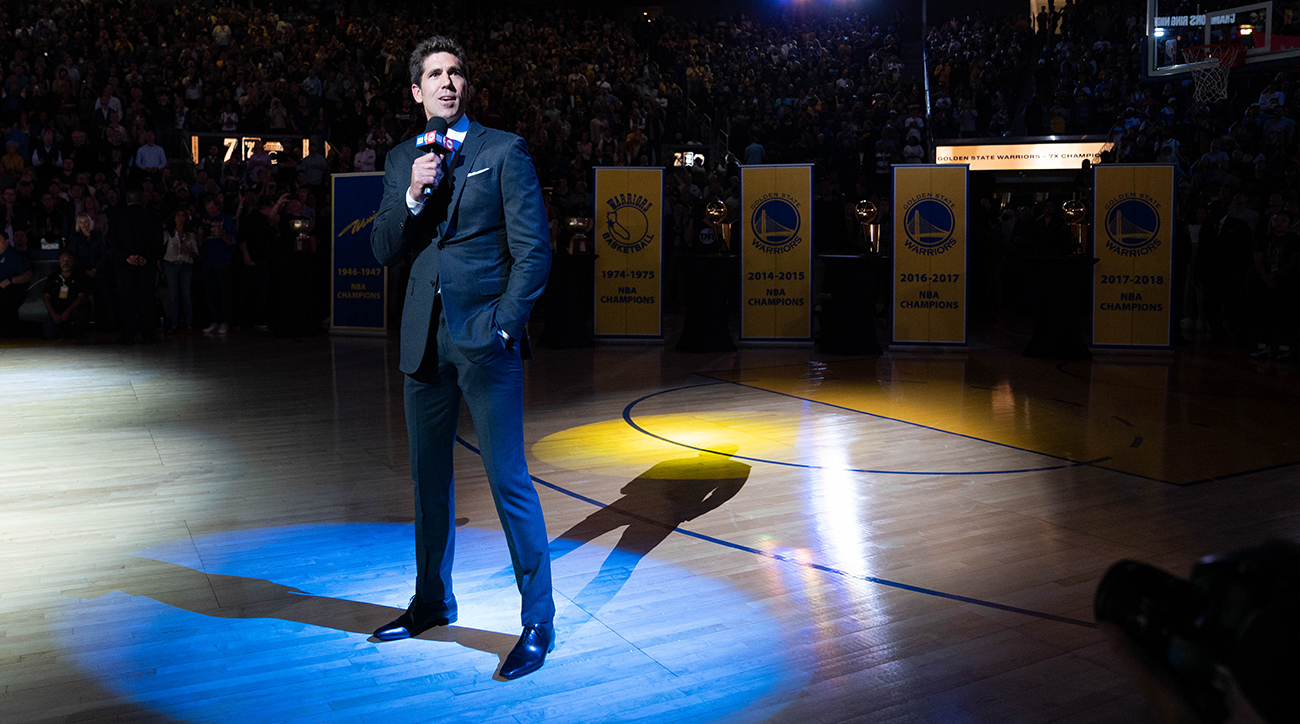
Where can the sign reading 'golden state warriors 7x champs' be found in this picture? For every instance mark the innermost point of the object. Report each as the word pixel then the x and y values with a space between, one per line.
pixel 628 229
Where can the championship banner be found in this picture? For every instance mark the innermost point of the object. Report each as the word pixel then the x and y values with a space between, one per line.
pixel 776 253
pixel 929 255
pixel 358 303
pixel 629 252
pixel 1132 282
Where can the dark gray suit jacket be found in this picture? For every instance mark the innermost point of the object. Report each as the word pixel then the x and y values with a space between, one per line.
pixel 482 240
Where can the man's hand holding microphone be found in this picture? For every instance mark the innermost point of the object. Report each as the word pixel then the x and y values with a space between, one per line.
pixel 427 170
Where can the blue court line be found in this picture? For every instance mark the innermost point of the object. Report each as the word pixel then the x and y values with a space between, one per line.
pixel 814 566
pixel 627 417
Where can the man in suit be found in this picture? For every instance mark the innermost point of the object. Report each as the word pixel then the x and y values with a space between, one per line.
pixel 475 222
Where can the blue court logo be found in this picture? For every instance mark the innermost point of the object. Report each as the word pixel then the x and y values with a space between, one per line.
pixel 627 223
pixel 774 223
pixel 1133 225
pixel 930 224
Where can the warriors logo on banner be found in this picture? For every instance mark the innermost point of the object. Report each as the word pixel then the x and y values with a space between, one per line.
pixel 776 256
pixel 1133 278
pixel 930 255
pixel 629 250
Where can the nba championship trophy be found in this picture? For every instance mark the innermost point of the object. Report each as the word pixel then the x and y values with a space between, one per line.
pixel 866 213
pixel 1075 212
pixel 578 242
pixel 716 210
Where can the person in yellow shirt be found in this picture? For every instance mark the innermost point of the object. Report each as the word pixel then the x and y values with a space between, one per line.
pixel 12 163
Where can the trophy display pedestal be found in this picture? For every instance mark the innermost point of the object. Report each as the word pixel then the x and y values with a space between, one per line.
pixel 568 302
pixel 848 314
pixel 707 281
pixel 1063 296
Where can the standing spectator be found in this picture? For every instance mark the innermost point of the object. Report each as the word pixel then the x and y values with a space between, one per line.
pixel 47 157
pixel 364 158
pixel 257 238
pixel 1277 261
pixel 149 158
pixel 181 248
pixel 315 166
pixel 135 244
pixel 755 153
pixel 90 251
pixel 217 261
pixel 67 311
pixel 14 276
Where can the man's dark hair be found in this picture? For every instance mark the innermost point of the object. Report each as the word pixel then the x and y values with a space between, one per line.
pixel 436 44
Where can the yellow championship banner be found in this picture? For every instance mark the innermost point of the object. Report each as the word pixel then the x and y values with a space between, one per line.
pixel 1133 230
pixel 929 255
pixel 776 253
pixel 629 252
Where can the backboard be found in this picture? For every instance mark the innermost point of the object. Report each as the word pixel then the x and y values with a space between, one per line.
pixel 1174 25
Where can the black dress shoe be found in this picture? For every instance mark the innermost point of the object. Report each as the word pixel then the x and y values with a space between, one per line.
pixel 418 618
pixel 529 653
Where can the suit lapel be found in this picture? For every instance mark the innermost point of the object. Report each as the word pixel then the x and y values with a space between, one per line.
pixel 463 161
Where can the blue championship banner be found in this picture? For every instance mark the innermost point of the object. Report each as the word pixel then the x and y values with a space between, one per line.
pixel 776 253
pixel 629 252
pixel 1133 280
pixel 929 255
pixel 358 298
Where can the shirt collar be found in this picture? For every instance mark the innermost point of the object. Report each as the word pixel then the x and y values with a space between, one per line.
pixel 457 132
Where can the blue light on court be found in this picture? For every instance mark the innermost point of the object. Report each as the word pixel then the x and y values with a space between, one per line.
pixel 289 640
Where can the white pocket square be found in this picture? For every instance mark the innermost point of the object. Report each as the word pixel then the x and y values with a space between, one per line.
pixel 472 174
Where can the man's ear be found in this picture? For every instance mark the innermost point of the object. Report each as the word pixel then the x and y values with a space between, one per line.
pixel 417 94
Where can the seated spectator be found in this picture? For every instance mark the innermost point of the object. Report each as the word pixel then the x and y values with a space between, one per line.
pixel 14 277
pixel 66 306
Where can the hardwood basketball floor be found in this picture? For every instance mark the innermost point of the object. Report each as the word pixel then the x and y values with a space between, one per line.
pixel 207 530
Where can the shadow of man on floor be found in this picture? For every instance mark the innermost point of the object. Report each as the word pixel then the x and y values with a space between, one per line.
pixel 238 597
pixel 653 505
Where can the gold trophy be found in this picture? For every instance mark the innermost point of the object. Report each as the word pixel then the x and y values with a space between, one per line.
pixel 867 213
pixel 578 242
pixel 302 240
pixel 716 210
pixel 1075 212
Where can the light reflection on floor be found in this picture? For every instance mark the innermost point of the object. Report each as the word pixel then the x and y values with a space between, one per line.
pixel 1145 417
pixel 300 602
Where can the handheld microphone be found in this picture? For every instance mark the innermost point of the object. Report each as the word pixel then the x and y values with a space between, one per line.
pixel 434 139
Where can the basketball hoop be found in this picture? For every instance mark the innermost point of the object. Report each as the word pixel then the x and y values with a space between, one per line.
pixel 1210 65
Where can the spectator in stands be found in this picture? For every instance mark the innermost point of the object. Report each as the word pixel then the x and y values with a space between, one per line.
pixel 66 295
pixel 258 236
pixel 90 252
pixel 135 245
pixel 14 277
pixel 1277 264
pixel 150 158
pixel 181 249
pixel 216 259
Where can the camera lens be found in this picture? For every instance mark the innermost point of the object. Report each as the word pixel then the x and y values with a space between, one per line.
pixel 1147 603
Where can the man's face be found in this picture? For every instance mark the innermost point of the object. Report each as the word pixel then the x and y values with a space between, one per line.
pixel 1281 222
pixel 443 89
pixel 212 208
pixel 65 263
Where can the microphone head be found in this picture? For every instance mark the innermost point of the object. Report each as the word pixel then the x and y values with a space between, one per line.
pixel 437 123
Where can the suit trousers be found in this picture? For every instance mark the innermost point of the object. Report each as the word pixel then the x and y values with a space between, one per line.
pixel 136 297
pixel 494 393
